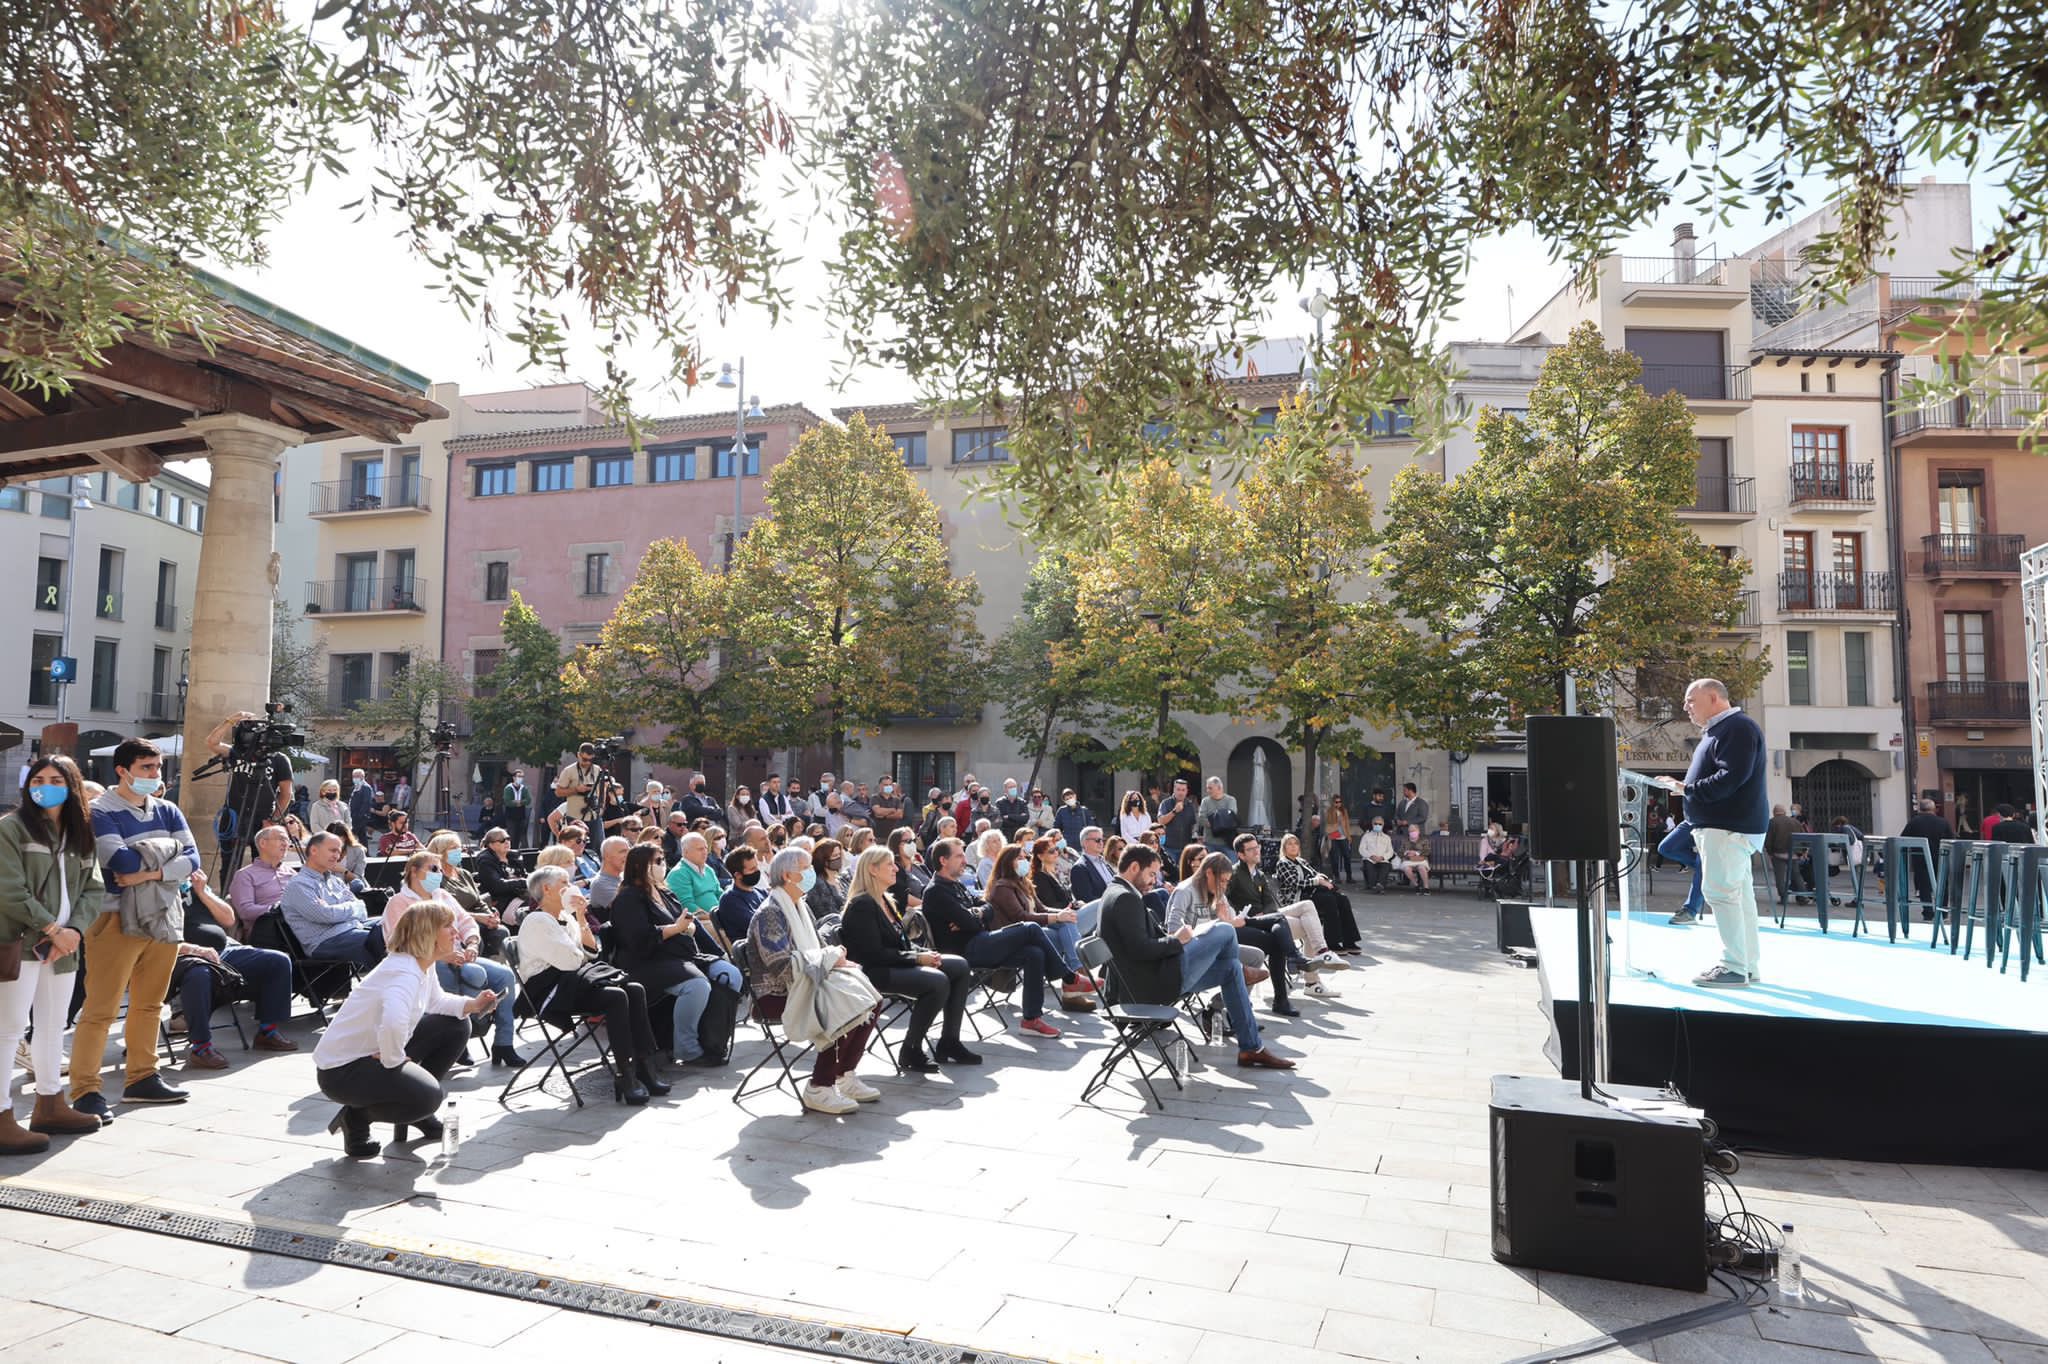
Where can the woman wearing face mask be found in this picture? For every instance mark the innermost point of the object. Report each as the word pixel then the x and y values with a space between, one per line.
pixel 462 887
pixel 913 878
pixel 784 941
pixel 1415 860
pixel 330 808
pixel 1133 820
pixel 1376 856
pixel 50 892
pixel 465 971
pixel 742 811
pixel 1013 899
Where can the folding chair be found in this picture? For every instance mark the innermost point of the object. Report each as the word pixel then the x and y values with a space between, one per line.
pixel 558 1044
pixel 227 999
pixel 784 1053
pixel 1136 1026
pixel 895 1008
pixel 315 979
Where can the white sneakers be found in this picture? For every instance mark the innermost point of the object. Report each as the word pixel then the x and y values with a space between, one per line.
pixel 1318 990
pixel 1330 961
pixel 856 1089
pixel 819 1099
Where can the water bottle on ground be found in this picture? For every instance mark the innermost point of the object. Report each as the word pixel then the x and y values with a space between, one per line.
pixel 1791 1267
pixel 451 1129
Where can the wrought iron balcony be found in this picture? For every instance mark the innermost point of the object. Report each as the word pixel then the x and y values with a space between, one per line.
pixel 1718 496
pixel 1751 617
pixel 1698 383
pixel 1970 556
pixel 2009 409
pixel 1977 702
pixel 348 497
pixel 365 596
pixel 1820 592
pixel 1817 482
pixel 164 706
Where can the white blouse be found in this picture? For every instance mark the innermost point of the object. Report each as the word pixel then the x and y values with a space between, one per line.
pixel 546 941
pixel 379 1015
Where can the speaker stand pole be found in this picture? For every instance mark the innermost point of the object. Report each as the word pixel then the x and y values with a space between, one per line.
pixel 1587 928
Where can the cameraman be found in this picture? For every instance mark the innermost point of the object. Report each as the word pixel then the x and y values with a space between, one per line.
pixel 259 795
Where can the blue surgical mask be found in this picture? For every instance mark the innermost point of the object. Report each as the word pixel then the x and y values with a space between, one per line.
pixel 146 786
pixel 185 886
pixel 431 882
pixel 455 857
pixel 49 797
pixel 810 879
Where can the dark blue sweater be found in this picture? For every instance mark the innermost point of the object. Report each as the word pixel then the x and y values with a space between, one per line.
pixel 1724 789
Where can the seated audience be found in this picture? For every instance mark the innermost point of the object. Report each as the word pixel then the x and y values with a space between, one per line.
pixel 827 895
pixel 1013 900
pixel 325 911
pixel 1295 879
pixel 656 942
pixel 1251 890
pixel 355 858
pixel 401 841
pixel 611 869
pixel 736 907
pixel 874 939
pixel 466 971
pixel 1376 856
pixel 959 926
pixel 1415 860
pixel 784 939
pixel 462 888
pixel 1206 896
pixel 384 1055
pixel 259 886
pixel 1155 967
pixel 1093 872
pixel 493 869
pixel 562 974
pixel 268 973
pixel 576 838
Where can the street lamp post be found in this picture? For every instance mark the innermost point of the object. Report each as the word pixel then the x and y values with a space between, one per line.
pixel 735 377
pixel 81 500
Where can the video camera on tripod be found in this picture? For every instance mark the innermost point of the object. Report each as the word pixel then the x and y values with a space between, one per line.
pixel 606 749
pixel 255 740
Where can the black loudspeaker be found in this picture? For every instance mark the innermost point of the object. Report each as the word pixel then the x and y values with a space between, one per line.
pixel 1574 789
pixel 1583 1188
pixel 1511 926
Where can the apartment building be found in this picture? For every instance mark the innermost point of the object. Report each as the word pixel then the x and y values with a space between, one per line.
pixel 562 514
pixel 362 535
pixel 112 564
pixel 1792 438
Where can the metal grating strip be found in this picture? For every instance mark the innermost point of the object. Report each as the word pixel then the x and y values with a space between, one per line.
pixel 578 1295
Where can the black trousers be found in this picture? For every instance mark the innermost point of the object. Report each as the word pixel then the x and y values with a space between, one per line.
pixel 404 1093
pixel 931 988
pixel 1340 925
pixel 1375 874
pixel 1269 933
pixel 625 1016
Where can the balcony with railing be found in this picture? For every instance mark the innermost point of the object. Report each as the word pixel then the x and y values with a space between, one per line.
pixel 1806 592
pixel 1751 617
pixel 163 706
pixel 1853 486
pixel 1690 280
pixel 350 498
pixel 1698 383
pixel 166 615
pixel 1972 702
pixel 1971 556
pixel 365 596
pixel 343 697
pixel 1929 293
pixel 2003 414
pixel 1714 495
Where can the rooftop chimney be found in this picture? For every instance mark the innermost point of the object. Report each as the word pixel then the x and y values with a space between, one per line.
pixel 1681 251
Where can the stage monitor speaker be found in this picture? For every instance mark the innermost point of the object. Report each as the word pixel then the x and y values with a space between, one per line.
pixel 1574 789
pixel 1583 1188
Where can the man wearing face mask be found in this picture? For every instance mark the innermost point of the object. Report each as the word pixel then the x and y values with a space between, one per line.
pixel 516 805
pixel 887 808
pixel 1376 856
pixel 1072 817
pixel 146 851
pixel 697 804
pixel 1011 811
pixel 736 907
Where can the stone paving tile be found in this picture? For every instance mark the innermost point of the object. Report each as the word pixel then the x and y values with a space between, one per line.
pixel 472 1318
pixel 95 1340
pixel 279 1330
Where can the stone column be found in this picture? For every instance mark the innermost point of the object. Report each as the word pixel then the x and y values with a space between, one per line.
pixel 231 606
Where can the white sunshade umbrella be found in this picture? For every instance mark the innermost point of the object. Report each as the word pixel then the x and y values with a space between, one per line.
pixel 171 746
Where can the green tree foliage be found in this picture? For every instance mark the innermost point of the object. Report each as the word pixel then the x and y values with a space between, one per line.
pixel 521 711
pixel 1038 668
pixel 652 665
pixel 1558 553
pixel 420 697
pixel 844 599
pixel 1161 613
pixel 1307 546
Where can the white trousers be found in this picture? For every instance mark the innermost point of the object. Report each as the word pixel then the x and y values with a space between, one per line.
pixel 43 994
pixel 1307 927
pixel 1730 891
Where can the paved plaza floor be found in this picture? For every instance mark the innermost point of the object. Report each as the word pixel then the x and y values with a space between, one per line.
pixel 1335 1211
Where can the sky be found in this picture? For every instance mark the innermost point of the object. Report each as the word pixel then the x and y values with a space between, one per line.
pixel 354 277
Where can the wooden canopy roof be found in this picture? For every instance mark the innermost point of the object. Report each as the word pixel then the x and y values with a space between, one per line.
pixel 258 360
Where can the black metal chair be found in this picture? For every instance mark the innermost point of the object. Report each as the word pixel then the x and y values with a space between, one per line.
pixel 316 979
pixel 226 995
pixel 560 1040
pixel 784 1054
pixel 1137 1026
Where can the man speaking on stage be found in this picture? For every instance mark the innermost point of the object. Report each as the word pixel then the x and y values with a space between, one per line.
pixel 1729 809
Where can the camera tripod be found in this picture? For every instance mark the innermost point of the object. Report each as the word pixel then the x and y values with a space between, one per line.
pixel 235 825
pixel 437 772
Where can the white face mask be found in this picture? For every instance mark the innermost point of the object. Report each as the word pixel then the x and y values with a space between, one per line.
pixel 1023 866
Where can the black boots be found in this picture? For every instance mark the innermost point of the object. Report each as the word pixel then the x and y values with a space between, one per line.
pixel 354 1126
pixel 645 1074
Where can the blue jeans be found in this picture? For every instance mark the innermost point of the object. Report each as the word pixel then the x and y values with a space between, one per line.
pixel 690 998
pixel 270 979
pixel 1067 938
pixel 1088 918
pixel 361 942
pixel 1678 847
pixel 472 979
pixel 1210 961
pixel 1027 948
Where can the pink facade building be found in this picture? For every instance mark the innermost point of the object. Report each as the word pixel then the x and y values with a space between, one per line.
pixel 563 516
